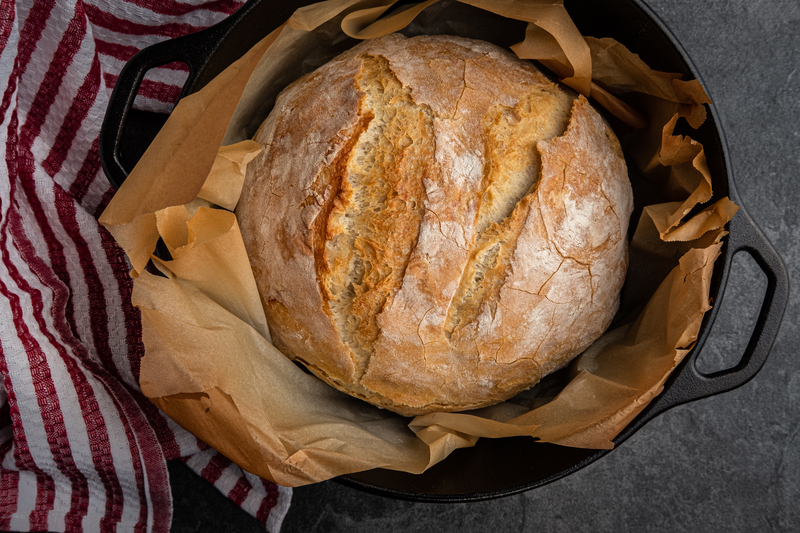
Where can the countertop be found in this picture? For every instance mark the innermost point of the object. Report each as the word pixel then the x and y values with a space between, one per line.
pixel 726 463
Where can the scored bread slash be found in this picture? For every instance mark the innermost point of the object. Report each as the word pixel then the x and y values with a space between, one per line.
pixel 433 224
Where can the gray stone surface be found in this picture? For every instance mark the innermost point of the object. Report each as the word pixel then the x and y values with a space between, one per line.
pixel 726 463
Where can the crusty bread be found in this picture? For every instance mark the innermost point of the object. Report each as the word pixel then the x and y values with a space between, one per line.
pixel 434 225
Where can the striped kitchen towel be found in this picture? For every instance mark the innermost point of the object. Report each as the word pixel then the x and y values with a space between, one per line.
pixel 80 447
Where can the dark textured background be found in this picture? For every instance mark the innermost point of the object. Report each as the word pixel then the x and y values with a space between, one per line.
pixel 727 463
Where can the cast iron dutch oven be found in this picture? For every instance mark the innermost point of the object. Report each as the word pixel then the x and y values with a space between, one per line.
pixel 494 467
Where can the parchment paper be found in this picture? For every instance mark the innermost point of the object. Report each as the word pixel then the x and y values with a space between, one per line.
pixel 209 363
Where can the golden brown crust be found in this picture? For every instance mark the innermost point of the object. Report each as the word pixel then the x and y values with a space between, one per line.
pixel 434 225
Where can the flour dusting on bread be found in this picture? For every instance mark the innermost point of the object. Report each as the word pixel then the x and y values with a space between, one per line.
pixel 435 225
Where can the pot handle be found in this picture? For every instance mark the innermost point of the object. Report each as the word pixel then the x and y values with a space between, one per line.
pixel 189 49
pixel 690 384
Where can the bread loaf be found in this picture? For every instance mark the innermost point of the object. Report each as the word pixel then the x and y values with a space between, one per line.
pixel 433 224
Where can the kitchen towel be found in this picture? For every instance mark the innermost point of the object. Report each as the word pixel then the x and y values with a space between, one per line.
pixel 80 447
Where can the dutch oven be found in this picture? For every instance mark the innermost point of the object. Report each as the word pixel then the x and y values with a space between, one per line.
pixel 494 467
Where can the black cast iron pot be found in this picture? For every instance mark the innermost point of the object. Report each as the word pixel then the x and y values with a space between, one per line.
pixel 494 467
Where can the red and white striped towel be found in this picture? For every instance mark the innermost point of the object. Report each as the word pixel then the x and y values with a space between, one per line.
pixel 80 446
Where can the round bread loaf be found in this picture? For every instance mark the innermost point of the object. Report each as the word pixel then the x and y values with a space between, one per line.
pixel 433 224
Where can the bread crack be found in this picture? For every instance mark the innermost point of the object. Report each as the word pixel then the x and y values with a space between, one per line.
pixel 446 236
pixel 463 88
pixel 511 176
pixel 374 226
pixel 539 292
